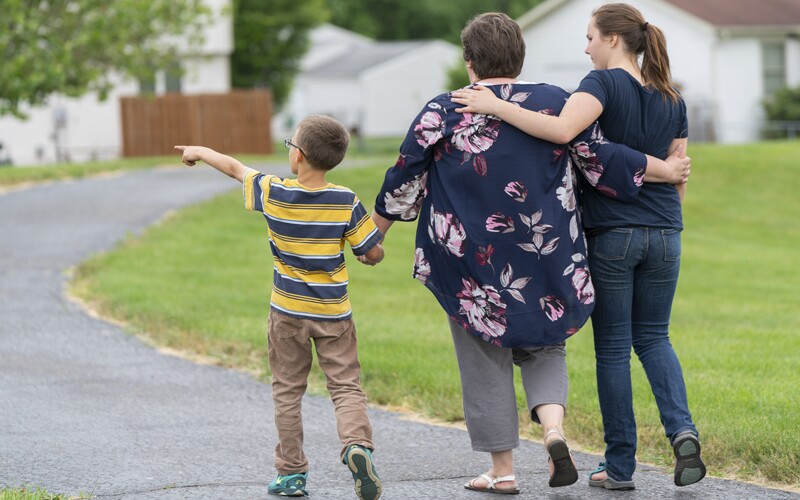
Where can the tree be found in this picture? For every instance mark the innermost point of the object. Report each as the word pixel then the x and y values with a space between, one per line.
pixel 417 19
pixel 270 38
pixel 73 47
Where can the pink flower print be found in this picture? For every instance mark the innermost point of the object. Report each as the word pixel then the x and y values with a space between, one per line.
pixel 475 133
pixel 422 268
pixel 588 162
pixel 406 200
pixel 479 165
pixel 430 129
pixel 446 230
pixel 582 282
pixel 499 223
pixel 638 177
pixel 516 190
pixel 606 190
pixel 483 308
pixel 566 193
pixel 552 307
pixel 484 255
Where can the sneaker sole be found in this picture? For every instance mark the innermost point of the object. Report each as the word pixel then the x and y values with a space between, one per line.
pixel 368 484
pixel 689 467
pixel 613 484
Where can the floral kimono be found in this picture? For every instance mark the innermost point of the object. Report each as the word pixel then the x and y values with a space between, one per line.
pixel 499 240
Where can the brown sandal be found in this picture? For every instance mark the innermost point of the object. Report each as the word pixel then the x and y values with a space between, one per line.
pixel 564 471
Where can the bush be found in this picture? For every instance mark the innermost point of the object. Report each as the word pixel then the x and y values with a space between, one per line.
pixel 782 107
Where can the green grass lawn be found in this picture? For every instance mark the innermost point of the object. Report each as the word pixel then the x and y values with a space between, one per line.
pixel 28 494
pixel 200 282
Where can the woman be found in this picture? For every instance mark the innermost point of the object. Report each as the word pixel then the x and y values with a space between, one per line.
pixel 634 248
pixel 499 244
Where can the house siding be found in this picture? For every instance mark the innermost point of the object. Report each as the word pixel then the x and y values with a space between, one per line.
pixel 718 71
pixel 92 129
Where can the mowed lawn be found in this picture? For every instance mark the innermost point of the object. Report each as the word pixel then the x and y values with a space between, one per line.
pixel 200 283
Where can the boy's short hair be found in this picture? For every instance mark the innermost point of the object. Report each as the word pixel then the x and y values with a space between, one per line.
pixel 493 43
pixel 323 140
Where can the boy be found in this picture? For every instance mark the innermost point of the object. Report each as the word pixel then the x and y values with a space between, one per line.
pixel 308 222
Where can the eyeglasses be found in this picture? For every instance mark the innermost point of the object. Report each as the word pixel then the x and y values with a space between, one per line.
pixel 289 145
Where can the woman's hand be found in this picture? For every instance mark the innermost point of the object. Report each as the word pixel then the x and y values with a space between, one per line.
pixel 478 99
pixel 680 166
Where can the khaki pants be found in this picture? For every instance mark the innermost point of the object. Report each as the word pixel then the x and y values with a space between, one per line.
pixel 290 360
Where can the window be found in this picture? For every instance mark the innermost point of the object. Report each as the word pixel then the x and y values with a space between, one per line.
pixel 173 78
pixel 147 86
pixel 774 66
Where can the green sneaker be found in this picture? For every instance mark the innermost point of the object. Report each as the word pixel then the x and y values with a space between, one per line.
pixel 359 460
pixel 293 485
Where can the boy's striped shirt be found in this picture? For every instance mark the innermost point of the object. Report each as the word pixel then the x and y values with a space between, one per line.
pixel 307 229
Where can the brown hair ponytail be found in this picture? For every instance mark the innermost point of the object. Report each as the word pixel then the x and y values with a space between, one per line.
pixel 639 37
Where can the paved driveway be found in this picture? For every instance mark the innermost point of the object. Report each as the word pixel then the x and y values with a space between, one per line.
pixel 86 408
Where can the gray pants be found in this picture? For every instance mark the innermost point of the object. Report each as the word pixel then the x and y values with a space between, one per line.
pixel 487 386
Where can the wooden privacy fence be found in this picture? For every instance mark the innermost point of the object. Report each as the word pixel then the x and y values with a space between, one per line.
pixel 236 122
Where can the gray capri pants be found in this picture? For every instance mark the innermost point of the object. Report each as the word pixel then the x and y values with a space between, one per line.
pixel 487 386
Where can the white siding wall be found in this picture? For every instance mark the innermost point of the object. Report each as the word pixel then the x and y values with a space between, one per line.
pixel 92 128
pixel 338 98
pixel 381 101
pixel 793 63
pixel 393 93
pixel 554 46
pixel 706 70
pixel 738 88
pixel 210 74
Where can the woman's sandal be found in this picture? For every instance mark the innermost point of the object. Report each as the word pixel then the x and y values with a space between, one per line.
pixel 564 471
pixel 609 482
pixel 491 485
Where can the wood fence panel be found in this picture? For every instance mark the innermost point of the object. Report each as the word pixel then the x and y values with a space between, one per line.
pixel 234 123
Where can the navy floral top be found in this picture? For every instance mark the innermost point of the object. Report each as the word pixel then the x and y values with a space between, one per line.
pixel 499 240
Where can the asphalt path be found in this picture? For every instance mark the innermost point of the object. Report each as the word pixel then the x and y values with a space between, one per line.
pixel 86 408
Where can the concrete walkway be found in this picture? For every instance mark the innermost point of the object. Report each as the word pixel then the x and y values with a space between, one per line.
pixel 87 409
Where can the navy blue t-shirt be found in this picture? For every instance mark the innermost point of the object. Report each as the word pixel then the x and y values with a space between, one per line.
pixel 644 120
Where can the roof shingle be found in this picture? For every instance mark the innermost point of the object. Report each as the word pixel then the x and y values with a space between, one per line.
pixel 743 12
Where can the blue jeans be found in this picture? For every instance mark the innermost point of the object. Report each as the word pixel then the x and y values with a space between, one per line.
pixel 635 273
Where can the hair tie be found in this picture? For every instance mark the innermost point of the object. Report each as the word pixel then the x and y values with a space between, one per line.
pixel 645 25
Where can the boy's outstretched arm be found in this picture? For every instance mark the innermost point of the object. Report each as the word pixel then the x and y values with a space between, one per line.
pixel 225 164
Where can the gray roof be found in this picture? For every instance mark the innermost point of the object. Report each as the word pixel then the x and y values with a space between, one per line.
pixel 362 58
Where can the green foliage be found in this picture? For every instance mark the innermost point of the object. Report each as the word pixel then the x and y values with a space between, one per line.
pixel 457 76
pixel 270 38
pixel 72 47
pixel 28 494
pixel 417 19
pixel 783 106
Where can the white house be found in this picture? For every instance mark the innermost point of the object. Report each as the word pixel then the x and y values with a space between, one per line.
pixel 85 128
pixel 726 55
pixel 374 87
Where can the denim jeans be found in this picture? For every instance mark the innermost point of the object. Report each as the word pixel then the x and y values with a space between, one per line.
pixel 635 273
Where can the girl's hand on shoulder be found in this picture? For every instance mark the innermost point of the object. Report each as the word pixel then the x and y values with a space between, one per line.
pixel 478 99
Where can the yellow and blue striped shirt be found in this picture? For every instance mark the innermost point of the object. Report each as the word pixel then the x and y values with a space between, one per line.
pixel 307 229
